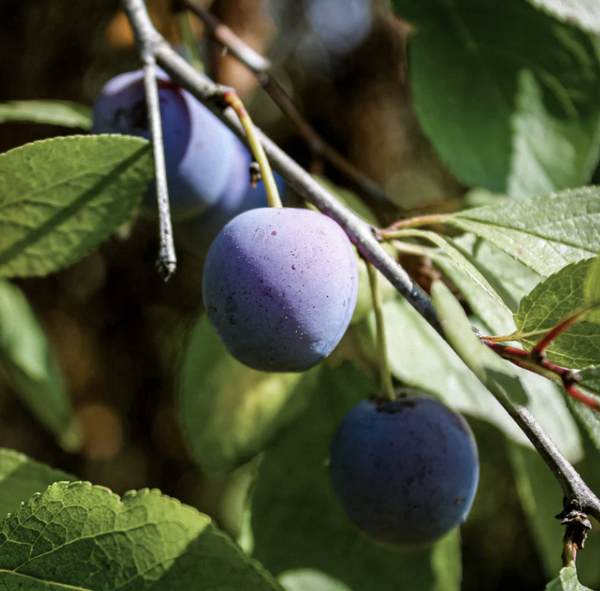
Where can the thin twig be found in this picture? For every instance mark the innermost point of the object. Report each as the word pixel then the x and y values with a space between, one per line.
pixel 167 260
pixel 577 494
pixel 261 67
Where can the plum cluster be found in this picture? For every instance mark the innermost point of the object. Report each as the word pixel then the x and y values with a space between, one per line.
pixel 280 288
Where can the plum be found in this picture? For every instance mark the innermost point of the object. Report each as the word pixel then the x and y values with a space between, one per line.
pixel 405 471
pixel 279 287
pixel 200 151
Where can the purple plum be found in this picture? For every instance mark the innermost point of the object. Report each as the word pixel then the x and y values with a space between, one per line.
pixel 280 287
pixel 405 471
pixel 200 151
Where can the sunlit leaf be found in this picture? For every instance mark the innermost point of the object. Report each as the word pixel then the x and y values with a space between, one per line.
pixel 84 537
pixel 60 198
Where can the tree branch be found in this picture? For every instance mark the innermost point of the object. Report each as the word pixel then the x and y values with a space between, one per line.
pixel 167 260
pixel 261 67
pixel 578 495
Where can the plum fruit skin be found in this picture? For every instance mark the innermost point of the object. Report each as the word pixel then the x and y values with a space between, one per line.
pixel 196 235
pixel 405 471
pixel 279 287
pixel 199 149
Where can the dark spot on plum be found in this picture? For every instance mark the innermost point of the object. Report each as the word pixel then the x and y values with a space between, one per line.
pixel 273 233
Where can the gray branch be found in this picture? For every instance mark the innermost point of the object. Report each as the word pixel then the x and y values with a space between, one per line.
pixel 578 495
pixel 167 260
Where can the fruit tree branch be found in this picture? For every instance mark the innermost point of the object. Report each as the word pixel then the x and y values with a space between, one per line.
pixel 167 260
pixel 261 67
pixel 577 494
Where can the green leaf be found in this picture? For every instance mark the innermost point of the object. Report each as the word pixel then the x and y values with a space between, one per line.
pixel 506 93
pixel 28 362
pixel 419 357
pixel 567 581
pixel 230 412
pixel 583 13
pixel 63 113
pixel 460 260
pixel 493 372
pixel 511 279
pixel 297 522
pixel 545 233
pixel 82 536
pixel 21 477
pixel 557 298
pixel 470 278
pixel 60 198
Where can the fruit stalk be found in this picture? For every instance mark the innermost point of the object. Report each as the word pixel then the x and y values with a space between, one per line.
pixel 233 100
pixel 362 234
pixel 167 260
pixel 387 386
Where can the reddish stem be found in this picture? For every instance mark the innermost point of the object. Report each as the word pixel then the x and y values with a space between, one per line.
pixel 554 333
pixel 532 362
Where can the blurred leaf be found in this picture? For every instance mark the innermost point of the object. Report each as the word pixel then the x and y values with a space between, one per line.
pixel 419 357
pixel 21 477
pixel 82 536
pixel 507 94
pixel 541 497
pixel 545 233
pixel 567 581
pixel 60 198
pixel 31 369
pixel 494 373
pixel 297 522
pixel 583 13
pixel 557 298
pixel 63 113
pixel 230 412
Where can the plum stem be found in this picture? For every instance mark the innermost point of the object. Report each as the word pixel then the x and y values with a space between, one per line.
pixel 387 387
pixel 577 493
pixel 233 100
pixel 167 259
pixel 260 67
